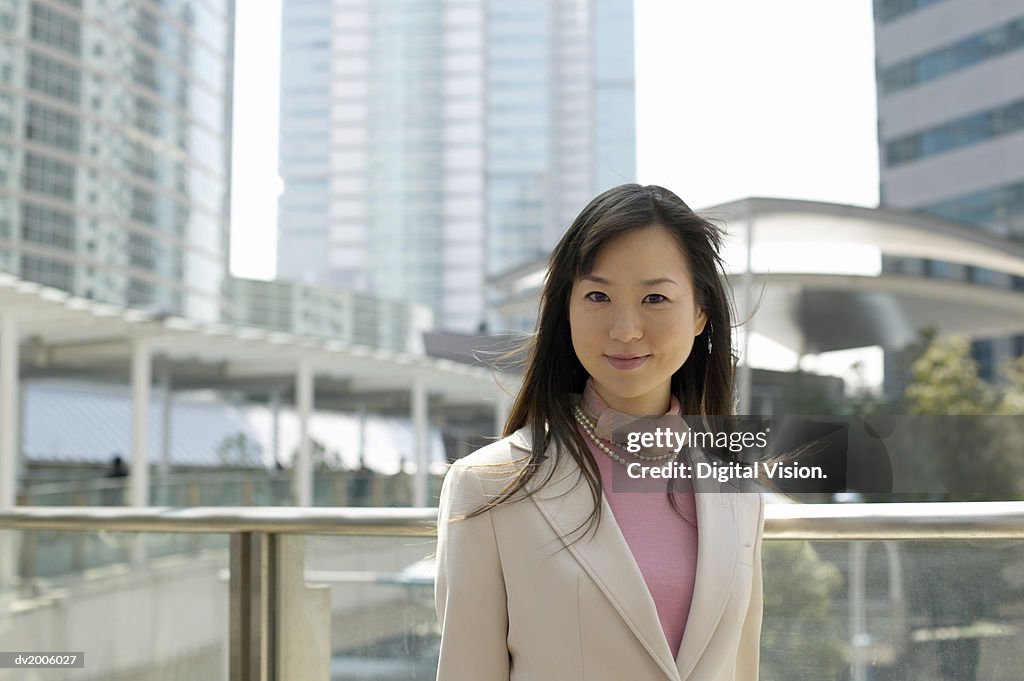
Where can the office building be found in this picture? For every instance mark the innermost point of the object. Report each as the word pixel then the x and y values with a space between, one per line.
pixel 427 144
pixel 951 130
pixel 337 314
pixel 115 129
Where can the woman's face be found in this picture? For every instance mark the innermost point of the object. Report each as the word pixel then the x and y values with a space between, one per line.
pixel 638 302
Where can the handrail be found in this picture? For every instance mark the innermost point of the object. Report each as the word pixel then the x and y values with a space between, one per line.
pixel 947 520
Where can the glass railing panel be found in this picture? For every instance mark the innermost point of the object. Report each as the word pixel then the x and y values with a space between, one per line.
pixel 153 618
pixel 383 624
pixel 893 610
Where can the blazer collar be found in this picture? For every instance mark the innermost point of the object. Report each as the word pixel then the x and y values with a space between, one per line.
pixel 566 502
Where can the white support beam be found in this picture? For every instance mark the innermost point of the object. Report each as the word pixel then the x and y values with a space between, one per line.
pixel 139 469
pixel 275 428
pixel 166 406
pixel 421 482
pixel 302 466
pixel 9 418
pixel 9 428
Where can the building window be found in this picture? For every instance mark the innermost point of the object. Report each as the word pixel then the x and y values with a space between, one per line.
pixel 983 353
pixel 977 48
pixel 887 10
pixel 51 127
pixel 141 251
pixel 46 271
pixel 47 227
pixel 1001 209
pixel 959 133
pixel 56 29
pixel 140 292
pixel 48 176
pixel 53 78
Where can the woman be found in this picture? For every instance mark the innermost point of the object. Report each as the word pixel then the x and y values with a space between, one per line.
pixel 634 321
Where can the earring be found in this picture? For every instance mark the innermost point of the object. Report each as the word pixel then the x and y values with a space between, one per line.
pixel 711 331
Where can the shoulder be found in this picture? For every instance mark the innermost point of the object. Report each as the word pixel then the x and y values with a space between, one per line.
pixel 487 471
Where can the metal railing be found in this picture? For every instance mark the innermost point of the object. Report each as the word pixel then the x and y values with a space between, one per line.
pixel 267 560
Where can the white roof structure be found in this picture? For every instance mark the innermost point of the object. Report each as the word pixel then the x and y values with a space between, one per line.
pixel 824 289
pixel 71 333
pixel 819 266
pixel 50 331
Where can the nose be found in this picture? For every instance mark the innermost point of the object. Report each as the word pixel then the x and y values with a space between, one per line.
pixel 626 325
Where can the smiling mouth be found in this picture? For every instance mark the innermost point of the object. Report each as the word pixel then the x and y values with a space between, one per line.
pixel 626 363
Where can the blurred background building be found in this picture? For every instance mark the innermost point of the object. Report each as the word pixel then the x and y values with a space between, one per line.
pixel 330 312
pixel 470 132
pixel 115 147
pixel 951 135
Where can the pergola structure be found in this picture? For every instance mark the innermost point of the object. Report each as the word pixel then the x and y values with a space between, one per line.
pixel 44 331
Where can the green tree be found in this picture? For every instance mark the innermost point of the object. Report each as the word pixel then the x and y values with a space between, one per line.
pixel 972 440
pixel 800 637
pixel 239 450
pixel 968 428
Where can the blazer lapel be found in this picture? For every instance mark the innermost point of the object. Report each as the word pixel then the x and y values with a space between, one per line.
pixel 566 502
pixel 717 553
pixel 604 555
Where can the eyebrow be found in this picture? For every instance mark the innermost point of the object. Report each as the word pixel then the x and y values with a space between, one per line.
pixel 646 282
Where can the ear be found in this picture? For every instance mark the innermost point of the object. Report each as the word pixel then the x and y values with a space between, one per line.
pixel 702 320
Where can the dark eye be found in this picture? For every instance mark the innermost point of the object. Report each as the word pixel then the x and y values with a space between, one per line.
pixel 657 295
pixel 595 293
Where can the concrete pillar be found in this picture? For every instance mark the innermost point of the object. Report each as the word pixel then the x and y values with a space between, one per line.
pixel 275 424
pixel 302 467
pixel 9 427
pixel 166 402
pixel 139 471
pixel 362 437
pixel 9 398
pixel 421 481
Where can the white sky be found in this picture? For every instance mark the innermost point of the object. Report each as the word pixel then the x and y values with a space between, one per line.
pixel 735 98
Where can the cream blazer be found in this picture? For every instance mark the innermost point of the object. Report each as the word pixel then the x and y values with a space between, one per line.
pixel 511 606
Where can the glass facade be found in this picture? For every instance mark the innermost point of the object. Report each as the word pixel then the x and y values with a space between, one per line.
pixel 614 93
pixel 328 312
pixel 962 132
pixel 995 42
pixel 115 149
pixel 405 146
pixel 518 121
pixel 459 129
pixel 305 129
pixel 938 79
pixel 561 123
pixel 1001 209
pixel 887 10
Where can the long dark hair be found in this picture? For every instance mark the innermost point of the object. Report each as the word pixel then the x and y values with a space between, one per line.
pixel 553 372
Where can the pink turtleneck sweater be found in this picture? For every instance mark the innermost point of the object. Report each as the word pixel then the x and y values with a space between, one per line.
pixel 663 544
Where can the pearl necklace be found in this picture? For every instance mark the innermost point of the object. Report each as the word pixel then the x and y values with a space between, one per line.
pixel 588 427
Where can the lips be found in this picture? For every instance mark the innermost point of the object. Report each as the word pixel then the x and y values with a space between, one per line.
pixel 625 362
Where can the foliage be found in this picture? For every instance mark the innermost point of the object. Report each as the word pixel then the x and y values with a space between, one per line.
pixel 239 450
pixel 800 638
pixel 944 380
pixel 970 429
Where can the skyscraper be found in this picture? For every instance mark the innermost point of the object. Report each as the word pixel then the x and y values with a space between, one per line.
pixel 951 127
pixel 458 138
pixel 115 139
